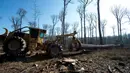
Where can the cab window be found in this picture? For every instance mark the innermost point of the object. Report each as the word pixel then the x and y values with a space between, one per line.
pixel 41 35
pixel 34 33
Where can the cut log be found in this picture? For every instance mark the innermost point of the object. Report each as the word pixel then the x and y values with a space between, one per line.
pixel 92 46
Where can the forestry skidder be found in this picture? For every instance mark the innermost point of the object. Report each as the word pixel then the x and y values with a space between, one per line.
pixel 73 44
pixel 28 39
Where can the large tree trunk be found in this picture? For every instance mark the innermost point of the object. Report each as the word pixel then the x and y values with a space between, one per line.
pixel 63 24
pixel 96 35
pixel 92 35
pixel 92 46
pixel 88 36
pixel 84 27
pixel 81 29
pixel 120 33
pixel 118 26
pixel 20 23
pixel 99 26
pixel 53 30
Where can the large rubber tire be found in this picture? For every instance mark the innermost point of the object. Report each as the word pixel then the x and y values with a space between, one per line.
pixel 74 46
pixel 15 46
pixel 54 50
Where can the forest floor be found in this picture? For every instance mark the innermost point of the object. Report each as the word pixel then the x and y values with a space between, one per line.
pixel 99 61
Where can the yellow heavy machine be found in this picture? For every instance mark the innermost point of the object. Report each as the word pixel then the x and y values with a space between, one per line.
pixel 28 39
pixel 73 44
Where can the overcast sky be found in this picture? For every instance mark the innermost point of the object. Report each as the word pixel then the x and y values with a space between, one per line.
pixel 47 8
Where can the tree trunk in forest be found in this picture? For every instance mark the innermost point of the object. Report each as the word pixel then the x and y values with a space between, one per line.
pixel 63 23
pixel 98 10
pixel 120 33
pixel 84 26
pixel 81 29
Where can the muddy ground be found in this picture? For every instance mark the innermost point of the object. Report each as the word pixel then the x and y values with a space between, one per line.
pixel 99 61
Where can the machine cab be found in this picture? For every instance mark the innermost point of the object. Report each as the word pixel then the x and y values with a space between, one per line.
pixel 37 34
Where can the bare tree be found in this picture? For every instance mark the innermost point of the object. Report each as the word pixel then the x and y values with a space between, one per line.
pixel 79 33
pixel 103 24
pixel 113 30
pixel 128 15
pixel 50 31
pixel 61 19
pixel 21 12
pixel 61 16
pixel 90 18
pixel 80 12
pixel 54 22
pixel 99 26
pixel 119 12
pixel 84 3
pixel 66 27
pixel 66 2
pixel 45 26
pixel 58 31
pixel 88 33
pixel 75 26
pixel 15 23
pixel 32 24
pixel 36 13
pixel 95 27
